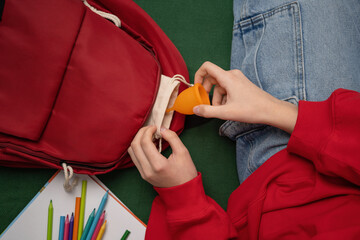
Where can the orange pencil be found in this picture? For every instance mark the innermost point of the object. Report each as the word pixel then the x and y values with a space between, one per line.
pixel 76 219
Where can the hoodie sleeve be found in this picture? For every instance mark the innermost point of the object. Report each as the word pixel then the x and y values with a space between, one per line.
pixel 328 134
pixel 185 212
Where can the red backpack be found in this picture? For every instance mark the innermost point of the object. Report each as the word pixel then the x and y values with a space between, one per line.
pixel 74 87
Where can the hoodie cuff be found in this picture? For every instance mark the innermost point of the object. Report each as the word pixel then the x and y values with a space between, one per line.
pixel 185 200
pixel 313 126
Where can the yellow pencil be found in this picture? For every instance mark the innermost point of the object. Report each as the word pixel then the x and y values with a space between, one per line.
pixel 101 232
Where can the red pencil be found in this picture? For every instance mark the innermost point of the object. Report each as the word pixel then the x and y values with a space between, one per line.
pixel 98 226
pixel 66 229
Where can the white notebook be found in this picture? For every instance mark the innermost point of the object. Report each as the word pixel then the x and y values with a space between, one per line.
pixel 31 223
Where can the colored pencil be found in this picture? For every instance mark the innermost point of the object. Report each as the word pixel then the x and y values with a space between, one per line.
pixel 50 221
pixel 126 234
pixel 71 227
pixel 82 209
pixel 61 227
pixel 101 232
pixel 98 226
pixel 97 216
pixel 76 218
pixel 88 225
pixel 66 228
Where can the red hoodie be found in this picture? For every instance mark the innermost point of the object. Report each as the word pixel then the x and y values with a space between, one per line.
pixel 311 189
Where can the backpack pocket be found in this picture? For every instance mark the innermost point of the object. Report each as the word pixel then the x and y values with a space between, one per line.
pixel 34 52
pixel 107 93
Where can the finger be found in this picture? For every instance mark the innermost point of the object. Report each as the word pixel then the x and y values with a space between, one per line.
pixel 206 69
pixel 152 154
pixel 208 83
pixel 138 151
pixel 135 160
pixel 224 100
pixel 218 95
pixel 209 111
pixel 173 139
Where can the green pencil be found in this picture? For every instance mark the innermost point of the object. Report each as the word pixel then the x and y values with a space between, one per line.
pixel 82 209
pixel 50 221
pixel 126 234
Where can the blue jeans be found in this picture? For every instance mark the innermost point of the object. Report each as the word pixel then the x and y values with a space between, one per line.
pixel 300 50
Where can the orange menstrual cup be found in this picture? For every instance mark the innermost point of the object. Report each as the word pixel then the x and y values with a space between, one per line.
pixel 189 98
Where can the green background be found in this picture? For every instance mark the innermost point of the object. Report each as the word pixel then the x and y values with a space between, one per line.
pixel 202 31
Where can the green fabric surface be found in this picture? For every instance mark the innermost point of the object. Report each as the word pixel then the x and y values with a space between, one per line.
pixel 202 31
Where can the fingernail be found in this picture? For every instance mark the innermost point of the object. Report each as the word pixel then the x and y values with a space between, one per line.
pixel 196 110
pixel 162 129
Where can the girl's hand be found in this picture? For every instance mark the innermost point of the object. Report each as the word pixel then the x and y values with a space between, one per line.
pixel 154 167
pixel 236 98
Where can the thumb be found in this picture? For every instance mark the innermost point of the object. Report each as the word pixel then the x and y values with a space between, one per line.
pixel 208 111
pixel 173 139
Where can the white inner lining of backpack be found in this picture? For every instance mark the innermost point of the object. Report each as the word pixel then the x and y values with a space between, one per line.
pixel 166 96
pixel 167 93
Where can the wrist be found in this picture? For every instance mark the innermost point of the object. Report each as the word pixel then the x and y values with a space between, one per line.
pixel 283 115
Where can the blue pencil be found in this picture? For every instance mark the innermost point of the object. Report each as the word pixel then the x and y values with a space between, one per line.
pixel 61 227
pixel 97 216
pixel 88 225
pixel 71 227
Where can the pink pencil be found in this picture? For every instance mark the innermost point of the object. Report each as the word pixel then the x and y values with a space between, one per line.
pixel 66 229
pixel 98 226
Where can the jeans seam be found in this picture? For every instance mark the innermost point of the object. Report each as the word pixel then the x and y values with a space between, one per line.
pixel 250 131
pixel 245 22
pixel 302 66
pixel 244 42
pixel 300 88
pixel 243 9
pixel 296 51
pixel 256 52
pixel 250 140
pixel 354 22
pixel 225 126
pixel 249 162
